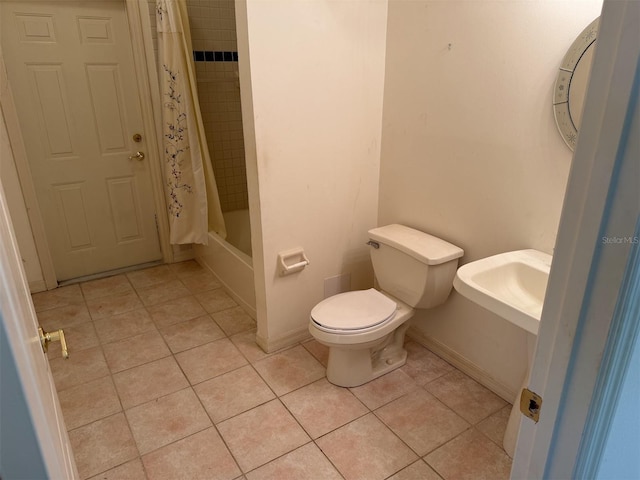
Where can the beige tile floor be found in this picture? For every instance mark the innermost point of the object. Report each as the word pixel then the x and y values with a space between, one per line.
pixel 165 381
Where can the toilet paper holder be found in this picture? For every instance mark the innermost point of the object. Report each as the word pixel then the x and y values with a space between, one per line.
pixel 292 261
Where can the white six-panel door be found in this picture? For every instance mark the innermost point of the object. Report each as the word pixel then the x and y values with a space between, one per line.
pixel 70 67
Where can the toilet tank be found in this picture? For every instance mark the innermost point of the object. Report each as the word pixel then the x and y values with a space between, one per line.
pixel 413 266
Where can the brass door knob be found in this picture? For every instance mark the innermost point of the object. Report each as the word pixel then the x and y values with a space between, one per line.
pixel 57 336
pixel 137 156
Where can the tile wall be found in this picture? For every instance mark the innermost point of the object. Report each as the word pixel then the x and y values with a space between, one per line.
pixel 213 34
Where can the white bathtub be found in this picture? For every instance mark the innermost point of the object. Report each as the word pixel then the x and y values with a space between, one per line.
pixel 229 262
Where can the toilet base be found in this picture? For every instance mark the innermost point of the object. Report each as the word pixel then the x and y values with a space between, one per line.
pixel 351 367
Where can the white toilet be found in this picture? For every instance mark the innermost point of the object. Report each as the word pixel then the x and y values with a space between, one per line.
pixel 365 329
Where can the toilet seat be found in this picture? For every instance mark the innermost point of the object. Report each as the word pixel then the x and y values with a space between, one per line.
pixel 353 312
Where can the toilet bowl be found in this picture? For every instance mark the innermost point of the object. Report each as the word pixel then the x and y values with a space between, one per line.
pixel 361 329
pixel 365 329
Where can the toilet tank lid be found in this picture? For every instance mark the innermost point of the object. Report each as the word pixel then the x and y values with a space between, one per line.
pixel 421 246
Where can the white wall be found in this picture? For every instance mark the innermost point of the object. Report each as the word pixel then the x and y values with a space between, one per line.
pixel 312 77
pixel 470 150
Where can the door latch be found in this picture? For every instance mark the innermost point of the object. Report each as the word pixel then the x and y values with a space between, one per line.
pixel 57 336
pixel 530 404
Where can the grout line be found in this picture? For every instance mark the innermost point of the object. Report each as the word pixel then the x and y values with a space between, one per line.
pixel 251 364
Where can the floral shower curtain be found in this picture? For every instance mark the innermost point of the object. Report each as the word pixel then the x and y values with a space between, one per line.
pixel 194 205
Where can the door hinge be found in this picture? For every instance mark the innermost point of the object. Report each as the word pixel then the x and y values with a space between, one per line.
pixel 155 217
pixel 530 404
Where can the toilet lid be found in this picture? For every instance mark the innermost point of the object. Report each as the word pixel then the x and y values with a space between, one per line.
pixel 354 310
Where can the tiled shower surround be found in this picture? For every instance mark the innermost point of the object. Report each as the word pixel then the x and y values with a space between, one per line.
pixel 165 381
pixel 213 34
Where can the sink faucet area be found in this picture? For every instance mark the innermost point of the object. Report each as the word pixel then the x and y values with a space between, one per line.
pixel 511 285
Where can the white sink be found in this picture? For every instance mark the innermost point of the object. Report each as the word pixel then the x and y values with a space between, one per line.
pixel 511 285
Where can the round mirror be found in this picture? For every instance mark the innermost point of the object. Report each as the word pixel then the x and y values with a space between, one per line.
pixel 571 84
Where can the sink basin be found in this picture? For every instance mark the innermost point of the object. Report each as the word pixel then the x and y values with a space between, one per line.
pixel 511 285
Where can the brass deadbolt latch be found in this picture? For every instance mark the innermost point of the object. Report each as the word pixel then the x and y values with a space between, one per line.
pixel 57 336
pixel 530 404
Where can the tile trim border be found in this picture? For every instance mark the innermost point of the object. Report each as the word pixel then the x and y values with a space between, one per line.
pixel 214 56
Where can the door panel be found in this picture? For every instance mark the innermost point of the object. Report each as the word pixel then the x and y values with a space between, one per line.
pixel 126 221
pixel 70 66
pixel 71 205
pixel 19 323
pixel 108 107
pixel 47 82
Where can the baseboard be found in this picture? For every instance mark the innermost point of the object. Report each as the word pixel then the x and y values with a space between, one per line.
pixel 288 340
pixel 37 286
pixel 180 255
pixel 462 364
